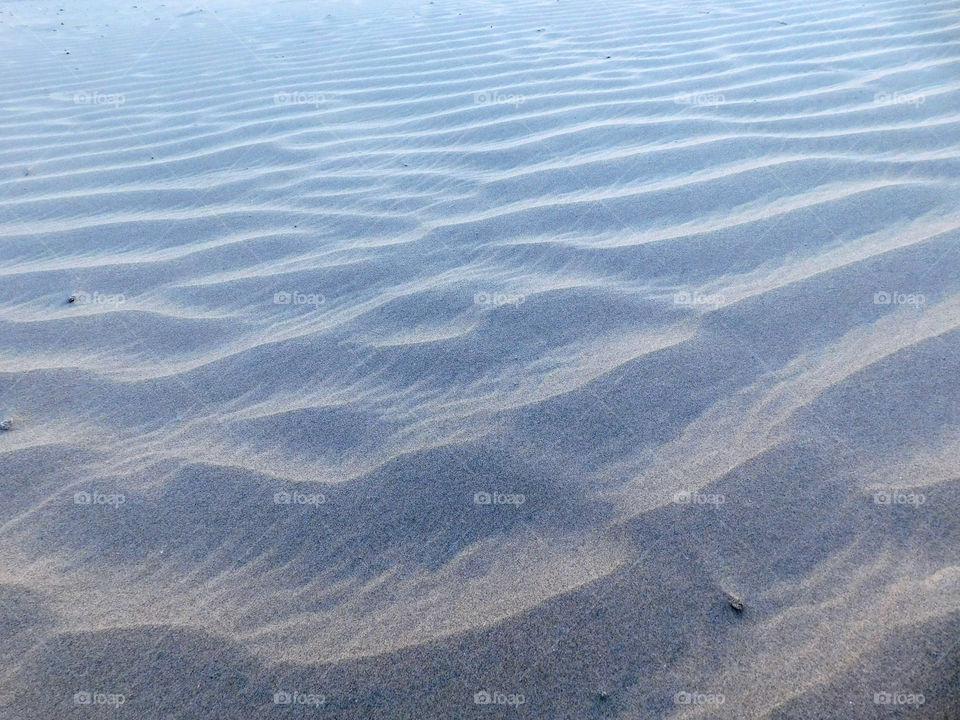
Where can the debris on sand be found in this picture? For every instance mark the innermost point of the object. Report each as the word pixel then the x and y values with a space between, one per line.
pixel 6 425
pixel 735 603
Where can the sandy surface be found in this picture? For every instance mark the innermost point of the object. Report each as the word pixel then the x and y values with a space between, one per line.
pixel 599 357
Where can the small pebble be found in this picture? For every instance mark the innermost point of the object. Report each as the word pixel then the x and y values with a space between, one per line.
pixel 6 425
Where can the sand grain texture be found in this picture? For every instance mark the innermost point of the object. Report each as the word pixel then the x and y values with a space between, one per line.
pixel 684 275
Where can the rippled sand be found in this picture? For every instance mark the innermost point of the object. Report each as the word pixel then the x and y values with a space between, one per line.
pixel 599 360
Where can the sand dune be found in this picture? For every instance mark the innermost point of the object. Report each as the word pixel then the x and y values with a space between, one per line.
pixel 601 358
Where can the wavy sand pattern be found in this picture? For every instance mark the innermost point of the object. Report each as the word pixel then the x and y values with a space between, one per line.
pixel 674 285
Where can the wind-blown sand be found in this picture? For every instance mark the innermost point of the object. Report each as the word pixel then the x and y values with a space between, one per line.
pixel 599 357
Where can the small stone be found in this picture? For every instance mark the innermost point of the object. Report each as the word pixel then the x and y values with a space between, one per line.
pixel 736 603
pixel 72 299
pixel 6 425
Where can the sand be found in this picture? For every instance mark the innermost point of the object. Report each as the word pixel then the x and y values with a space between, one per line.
pixel 480 359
